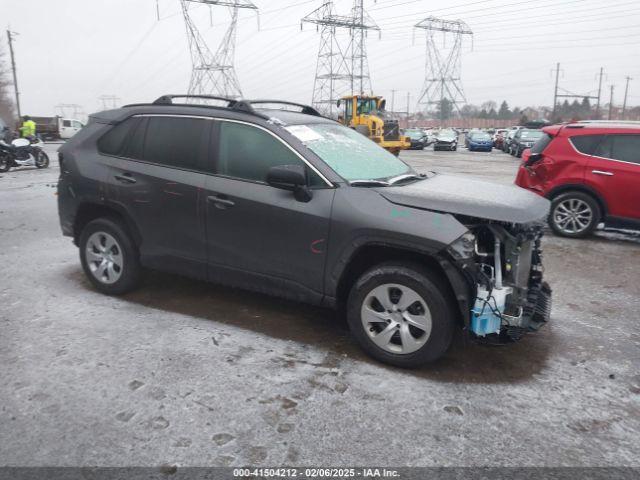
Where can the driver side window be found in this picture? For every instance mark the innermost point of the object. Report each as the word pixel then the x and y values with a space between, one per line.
pixel 246 152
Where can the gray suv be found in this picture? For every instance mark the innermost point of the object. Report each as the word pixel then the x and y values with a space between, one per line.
pixel 272 197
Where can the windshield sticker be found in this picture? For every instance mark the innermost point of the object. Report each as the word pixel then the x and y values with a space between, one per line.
pixel 303 133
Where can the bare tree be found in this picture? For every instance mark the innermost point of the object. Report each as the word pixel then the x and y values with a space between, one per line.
pixel 7 112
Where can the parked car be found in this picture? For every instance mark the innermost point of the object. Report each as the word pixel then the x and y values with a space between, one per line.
pixel 446 140
pixel 591 173
pixel 498 138
pixel 296 205
pixel 523 139
pixel 506 144
pixel 468 134
pixel 417 137
pixel 480 141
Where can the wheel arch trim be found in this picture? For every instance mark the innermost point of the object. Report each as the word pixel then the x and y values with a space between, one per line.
pixel 582 188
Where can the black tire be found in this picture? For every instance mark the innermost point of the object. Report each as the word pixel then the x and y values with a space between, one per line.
pixel 454 149
pixel 42 159
pixel 576 196
pixel 4 164
pixel 131 271
pixel 429 287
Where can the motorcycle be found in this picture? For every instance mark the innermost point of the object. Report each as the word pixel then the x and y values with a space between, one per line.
pixel 22 152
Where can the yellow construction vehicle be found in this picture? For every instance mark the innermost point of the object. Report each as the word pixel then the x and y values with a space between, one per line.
pixel 367 115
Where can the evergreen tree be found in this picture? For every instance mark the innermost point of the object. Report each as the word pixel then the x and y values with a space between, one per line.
pixel 504 112
pixel 444 109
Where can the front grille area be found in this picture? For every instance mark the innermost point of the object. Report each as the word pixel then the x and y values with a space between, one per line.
pixel 391 130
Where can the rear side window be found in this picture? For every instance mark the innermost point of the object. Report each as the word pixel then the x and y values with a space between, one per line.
pixel 174 141
pixel 626 148
pixel 620 147
pixel 113 141
pixel 542 143
pixel 586 144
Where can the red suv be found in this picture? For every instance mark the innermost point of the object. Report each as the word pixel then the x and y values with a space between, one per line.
pixel 591 173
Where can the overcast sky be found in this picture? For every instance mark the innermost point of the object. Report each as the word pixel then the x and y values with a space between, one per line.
pixel 74 51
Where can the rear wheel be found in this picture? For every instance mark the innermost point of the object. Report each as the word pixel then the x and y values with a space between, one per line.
pixel 109 256
pixel 4 164
pixel 574 214
pixel 400 314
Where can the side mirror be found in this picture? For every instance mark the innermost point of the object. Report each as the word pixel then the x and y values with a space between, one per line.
pixel 338 104
pixel 292 178
pixel 383 104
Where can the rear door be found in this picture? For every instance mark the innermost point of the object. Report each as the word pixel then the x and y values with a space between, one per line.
pixel 259 236
pixel 614 171
pixel 158 180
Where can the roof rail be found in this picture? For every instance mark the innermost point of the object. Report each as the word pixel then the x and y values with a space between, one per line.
pixel 306 109
pixel 245 106
pixel 168 99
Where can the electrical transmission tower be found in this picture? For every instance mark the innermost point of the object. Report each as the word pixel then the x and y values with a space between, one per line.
pixel 214 74
pixel 342 67
pixel 443 64
pixel 109 101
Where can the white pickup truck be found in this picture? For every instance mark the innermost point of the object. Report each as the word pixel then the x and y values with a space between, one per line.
pixel 57 128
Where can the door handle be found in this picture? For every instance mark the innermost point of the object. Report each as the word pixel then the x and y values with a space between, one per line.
pixel 125 178
pixel 220 201
pixel 601 172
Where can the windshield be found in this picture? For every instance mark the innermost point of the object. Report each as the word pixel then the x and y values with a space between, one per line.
pixel 366 105
pixel 447 134
pixel 481 136
pixel 414 134
pixel 349 153
pixel 531 134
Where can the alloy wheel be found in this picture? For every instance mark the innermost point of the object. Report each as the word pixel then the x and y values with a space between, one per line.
pixel 396 318
pixel 104 257
pixel 572 216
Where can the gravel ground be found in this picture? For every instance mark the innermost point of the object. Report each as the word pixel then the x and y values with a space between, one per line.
pixel 194 374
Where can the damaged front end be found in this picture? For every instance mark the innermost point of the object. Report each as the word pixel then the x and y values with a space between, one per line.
pixel 502 263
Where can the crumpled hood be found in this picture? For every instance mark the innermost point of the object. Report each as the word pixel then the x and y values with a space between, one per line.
pixel 470 197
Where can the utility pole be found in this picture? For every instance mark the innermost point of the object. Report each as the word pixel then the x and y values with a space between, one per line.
pixel 10 36
pixel 393 97
pixel 555 93
pixel 626 92
pixel 610 102
pixel 599 93
pixel 408 103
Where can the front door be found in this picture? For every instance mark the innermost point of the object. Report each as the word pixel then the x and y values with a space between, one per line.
pixel 614 171
pixel 259 236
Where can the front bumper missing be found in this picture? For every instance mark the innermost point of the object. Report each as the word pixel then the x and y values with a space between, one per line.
pixel 509 295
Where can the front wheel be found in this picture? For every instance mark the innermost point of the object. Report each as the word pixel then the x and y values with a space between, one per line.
pixel 4 164
pixel 41 159
pixel 400 314
pixel 109 256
